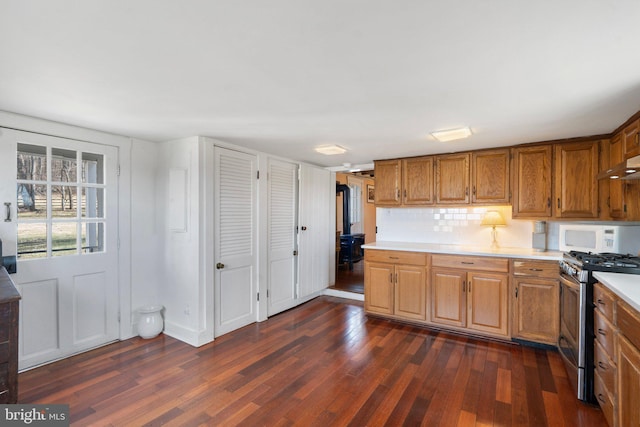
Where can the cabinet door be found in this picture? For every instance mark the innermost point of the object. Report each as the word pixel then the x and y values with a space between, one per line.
pixel 410 292
pixel 448 305
pixel 490 176
pixel 628 383
pixel 616 186
pixel 452 179
pixel 378 288
pixel 417 181
pixel 388 179
pixel 487 303
pixel 576 187
pixel 630 140
pixel 532 182
pixel 536 309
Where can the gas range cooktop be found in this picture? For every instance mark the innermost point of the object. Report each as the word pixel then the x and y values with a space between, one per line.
pixel 617 263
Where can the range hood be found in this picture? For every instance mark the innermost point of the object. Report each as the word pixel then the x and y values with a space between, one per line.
pixel 629 169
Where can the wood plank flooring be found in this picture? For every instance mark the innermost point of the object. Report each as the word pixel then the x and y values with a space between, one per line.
pixel 321 364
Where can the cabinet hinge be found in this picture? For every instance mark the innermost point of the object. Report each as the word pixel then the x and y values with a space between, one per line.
pixel 257 174
pixel 258 296
pixel 118 170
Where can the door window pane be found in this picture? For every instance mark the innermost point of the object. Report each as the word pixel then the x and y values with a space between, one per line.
pixel 32 240
pixel 92 237
pixel 64 238
pixel 92 168
pixel 64 201
pixel 64 166
pixel 32 201
pixel 93 202
pixel 32 162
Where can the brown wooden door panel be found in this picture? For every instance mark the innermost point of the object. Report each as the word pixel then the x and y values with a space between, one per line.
pixel 576 187
pixel 487 303
pixel 388 179
pixel 410 292
pixel 532 182
pixel 417 181
pixel 452 179
pixel 490 177
pixel 379 288
pixel 448 297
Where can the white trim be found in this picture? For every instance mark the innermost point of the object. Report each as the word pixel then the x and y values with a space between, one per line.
pixel 343 294
pixel 189 336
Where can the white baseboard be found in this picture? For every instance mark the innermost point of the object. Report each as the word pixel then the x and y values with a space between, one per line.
pixel 343 294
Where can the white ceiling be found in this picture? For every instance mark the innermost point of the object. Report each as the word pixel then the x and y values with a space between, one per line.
pixel 284 76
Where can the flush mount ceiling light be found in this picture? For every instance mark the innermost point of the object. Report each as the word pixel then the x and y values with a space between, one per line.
pixel 451 134
pixel 330 150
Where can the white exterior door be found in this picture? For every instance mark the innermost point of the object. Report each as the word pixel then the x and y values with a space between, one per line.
pixel 64 200
pixel 235 240
pixel 316 240
pixel 282 181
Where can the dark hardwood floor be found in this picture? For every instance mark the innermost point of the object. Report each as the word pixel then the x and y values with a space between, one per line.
pixel 350 280
pixel 321 364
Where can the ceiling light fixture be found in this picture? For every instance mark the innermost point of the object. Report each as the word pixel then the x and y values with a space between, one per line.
pixel 330 150
pixel 451 134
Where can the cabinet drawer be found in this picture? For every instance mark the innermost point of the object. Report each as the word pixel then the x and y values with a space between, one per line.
pixel 471 263
pixel 629 322
pixel 605 333
pixel 542 269
pixel 604 399
pixel 605 367
pixel 396 257
pixel 603 300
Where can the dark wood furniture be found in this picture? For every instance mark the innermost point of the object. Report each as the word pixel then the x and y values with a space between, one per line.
pixel 9 304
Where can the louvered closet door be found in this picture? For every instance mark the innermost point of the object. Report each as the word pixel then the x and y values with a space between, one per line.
pixel 235 240
pixel 282 179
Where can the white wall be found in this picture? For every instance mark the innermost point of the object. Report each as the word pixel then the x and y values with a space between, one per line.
pixel 146 234
pixel 456 226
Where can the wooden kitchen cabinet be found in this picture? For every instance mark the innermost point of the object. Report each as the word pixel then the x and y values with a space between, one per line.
pixel 470 293
pixel 388 175
pixel 532 183
pixel 452 179
pixel 576 186
pixel 9 307
pixel 630 139
pixel 616 201
pixel 628 357
pixel 490 177
pixel 417 181
pixel 406 182
pixel 536 301
pixel 395 284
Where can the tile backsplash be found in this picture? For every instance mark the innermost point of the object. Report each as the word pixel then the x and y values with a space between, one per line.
pixel 456 226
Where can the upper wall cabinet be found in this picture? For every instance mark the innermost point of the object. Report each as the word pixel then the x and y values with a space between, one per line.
pixel 576 187
pixel 490 177
pixel 406 182
pixel 452 179
pixel 616 200
pixel 417 181
pixel 630 139
pixel 388 175
pixel 532 182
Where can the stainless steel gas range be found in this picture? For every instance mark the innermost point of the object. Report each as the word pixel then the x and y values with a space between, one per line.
pixel 576 312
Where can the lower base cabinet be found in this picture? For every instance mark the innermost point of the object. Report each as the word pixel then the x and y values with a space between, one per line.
pixel 472 300
pixel 395 284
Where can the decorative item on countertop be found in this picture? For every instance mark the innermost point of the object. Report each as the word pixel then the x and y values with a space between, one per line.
pixel 493 219
pixel 150 323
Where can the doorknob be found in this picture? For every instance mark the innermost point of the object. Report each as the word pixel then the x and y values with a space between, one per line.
pixel 304 228
pixel 219 266
pixel 7 206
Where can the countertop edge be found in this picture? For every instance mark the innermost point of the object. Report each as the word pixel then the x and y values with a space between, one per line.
pixel 626 286
pixel 462 250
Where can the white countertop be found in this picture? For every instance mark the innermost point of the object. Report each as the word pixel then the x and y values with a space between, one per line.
pixel 466 250
pixel 626 286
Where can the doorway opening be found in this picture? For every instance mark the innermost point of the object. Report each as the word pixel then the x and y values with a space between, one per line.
pixel 355 226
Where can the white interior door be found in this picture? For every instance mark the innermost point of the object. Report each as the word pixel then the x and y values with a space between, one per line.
pixel 316 240
pixel 65 195
pixel 235 240
pixel 282 181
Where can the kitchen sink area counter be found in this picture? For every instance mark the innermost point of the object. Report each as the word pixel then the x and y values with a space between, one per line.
pixel 436 248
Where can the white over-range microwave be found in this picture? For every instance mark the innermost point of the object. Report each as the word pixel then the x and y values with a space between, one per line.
pixel 622 239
